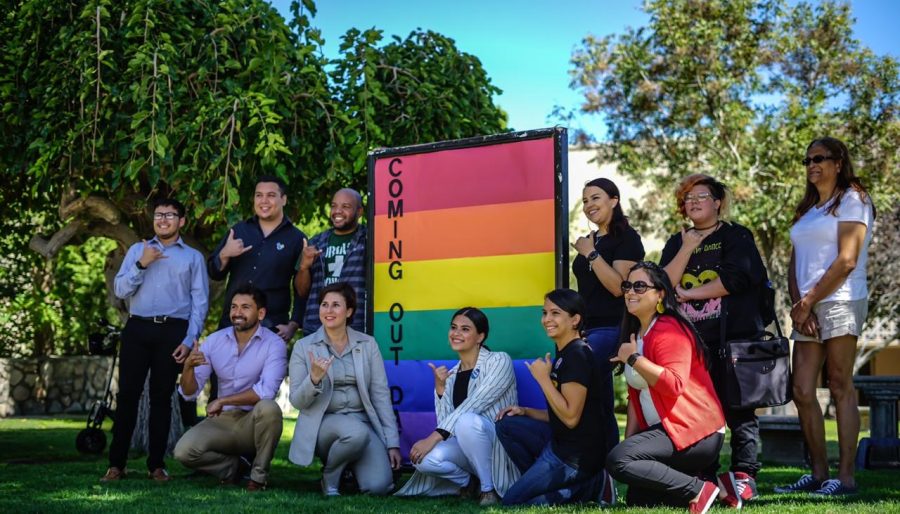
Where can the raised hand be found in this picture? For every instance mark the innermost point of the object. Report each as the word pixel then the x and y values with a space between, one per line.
pixel 195 357
pixel 691 238
pixel 625 350
pixel 440 378
pixel 584 245
pixel 318 367
pixel 540 368
pixel 233 247
pixel 150 254
pixel 308 255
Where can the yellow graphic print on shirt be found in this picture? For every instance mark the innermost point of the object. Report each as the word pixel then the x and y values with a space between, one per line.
pixel 698 310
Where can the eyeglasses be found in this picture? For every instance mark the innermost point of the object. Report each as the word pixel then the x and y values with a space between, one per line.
pixel 640 287
pixel 817 159
pixel 699 197
pixel 167 215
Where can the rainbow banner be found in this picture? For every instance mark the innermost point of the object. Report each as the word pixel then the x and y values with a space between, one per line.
pixel 480 222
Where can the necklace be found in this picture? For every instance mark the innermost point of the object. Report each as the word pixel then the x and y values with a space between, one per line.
pixel 715 225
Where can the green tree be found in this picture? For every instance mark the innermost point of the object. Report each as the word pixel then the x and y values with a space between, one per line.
pixel 105 104
pixel 737 89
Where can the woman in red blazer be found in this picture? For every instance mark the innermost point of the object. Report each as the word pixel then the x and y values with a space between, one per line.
pixel 675 423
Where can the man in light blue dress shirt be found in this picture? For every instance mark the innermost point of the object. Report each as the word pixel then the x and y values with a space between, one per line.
pixel 165 284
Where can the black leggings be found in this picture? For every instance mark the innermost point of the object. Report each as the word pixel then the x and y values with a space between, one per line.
pixel 648 461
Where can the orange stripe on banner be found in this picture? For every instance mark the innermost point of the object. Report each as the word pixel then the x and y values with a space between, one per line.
pixel 478 231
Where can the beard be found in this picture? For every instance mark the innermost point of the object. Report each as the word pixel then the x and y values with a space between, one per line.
pixel 347 225
pixel 242 324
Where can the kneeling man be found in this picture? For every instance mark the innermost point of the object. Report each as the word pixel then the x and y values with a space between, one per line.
pixel 250 361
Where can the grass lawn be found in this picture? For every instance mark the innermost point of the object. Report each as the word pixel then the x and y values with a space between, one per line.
pixel 40 471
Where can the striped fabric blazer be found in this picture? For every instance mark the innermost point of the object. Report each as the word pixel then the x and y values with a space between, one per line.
pixel 492 387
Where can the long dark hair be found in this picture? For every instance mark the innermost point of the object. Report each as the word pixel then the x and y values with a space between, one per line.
pixel 570 302
pixel 846 179
pixel 660 280
pixel 619 222
pixel 478 318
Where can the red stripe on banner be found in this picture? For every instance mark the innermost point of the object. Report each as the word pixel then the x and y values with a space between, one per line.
pixel 504 173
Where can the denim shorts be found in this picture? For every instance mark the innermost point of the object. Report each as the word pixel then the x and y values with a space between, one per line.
pixel 839 318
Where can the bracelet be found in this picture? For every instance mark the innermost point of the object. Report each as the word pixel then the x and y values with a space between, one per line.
pixel 633 358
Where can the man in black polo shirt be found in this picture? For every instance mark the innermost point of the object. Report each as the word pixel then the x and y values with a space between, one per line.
pixel 262 251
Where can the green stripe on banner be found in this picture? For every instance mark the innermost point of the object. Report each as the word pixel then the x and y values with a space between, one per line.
pixel 422 335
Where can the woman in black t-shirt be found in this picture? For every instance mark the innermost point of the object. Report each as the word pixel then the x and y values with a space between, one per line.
pixel 719 275
pixel 557 449
pixel 604 258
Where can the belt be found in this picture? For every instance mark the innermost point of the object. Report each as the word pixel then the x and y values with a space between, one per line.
pixel 156 319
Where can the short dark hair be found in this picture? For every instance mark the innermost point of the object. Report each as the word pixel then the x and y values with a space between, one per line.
pixel 569 301
pixel 247 289
pixel 273 179
pixel 344 289
pixel 477 317
pixel 169 202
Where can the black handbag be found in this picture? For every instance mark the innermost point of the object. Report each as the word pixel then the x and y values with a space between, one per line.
pixel 758 370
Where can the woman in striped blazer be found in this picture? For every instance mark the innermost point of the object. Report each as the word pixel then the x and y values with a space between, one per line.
pixel 463 455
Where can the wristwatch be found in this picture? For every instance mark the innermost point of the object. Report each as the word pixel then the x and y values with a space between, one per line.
pixel 138 264
pixel 633 358
pixel 593 255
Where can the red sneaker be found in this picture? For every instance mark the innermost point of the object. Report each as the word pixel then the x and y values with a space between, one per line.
pixel 745 485
pixel 729 486
pixel 708 495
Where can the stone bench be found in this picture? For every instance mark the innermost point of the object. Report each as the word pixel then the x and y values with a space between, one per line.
pixel 882 448
pixel 782 441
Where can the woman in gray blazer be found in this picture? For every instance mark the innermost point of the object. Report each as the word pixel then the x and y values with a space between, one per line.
pixel 339 385
pixel 463 453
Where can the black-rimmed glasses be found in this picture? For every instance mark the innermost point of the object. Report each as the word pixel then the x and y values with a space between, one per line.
pixel 167 215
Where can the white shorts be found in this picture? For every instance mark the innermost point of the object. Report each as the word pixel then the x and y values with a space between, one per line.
pixel 840 318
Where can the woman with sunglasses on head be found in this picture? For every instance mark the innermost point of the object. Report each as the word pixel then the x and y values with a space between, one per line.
pixel 463 452
pixel 831 232
pixel 604 257
pixel 719 278
pixel 557 449
pixel 675 424
pixel 339 385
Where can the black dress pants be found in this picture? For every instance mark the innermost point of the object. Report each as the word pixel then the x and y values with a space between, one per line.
pixel 146 347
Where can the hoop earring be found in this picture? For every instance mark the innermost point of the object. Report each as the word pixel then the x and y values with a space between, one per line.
pixel 659 306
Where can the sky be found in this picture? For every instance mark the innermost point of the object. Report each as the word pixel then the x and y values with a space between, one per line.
pixel 525 45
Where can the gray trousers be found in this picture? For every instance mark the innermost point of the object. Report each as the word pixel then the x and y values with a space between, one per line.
pixel 349 439
pixel 215 444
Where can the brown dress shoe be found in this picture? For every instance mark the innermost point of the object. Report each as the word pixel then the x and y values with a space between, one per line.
pixel 489 498
pixel 253 486
pixel 159 475
pixel 113 474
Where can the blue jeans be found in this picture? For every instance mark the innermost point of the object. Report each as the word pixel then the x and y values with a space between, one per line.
pixel 604 341
pixel 546 480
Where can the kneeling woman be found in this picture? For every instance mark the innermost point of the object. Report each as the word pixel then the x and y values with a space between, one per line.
pixel 675 423
pixel 558 450
pixel 339 385
pixel 463 451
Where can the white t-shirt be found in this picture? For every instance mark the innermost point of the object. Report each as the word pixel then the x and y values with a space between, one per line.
pixel 635 380
pixel 815 240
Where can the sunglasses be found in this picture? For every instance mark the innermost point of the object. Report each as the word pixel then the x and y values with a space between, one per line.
pixel 640 287
pixel 697 198
pixel 818 159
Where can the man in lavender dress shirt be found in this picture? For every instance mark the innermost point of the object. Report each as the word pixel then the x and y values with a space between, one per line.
pixel 165 284
pixel 250 361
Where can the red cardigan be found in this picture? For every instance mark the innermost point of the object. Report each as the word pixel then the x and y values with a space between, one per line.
pixel 684 395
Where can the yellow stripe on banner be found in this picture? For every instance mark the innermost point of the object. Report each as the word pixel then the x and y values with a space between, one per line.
pixel 495 281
